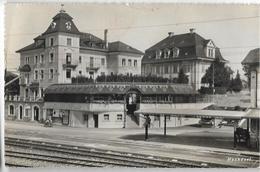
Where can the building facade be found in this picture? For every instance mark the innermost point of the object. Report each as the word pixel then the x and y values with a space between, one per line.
pixel 188 51
pixel 61 53
pixel 112 105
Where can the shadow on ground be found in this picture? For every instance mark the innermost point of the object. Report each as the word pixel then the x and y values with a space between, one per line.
pixel 203 138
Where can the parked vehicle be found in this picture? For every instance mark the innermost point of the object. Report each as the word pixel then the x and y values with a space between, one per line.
pixel 206 122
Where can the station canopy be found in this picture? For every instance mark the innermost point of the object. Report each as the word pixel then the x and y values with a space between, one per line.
pixel 198 113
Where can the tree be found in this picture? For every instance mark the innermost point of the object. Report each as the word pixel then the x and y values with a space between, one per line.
pixel 246 69
pixel 182 77
pixel 237 84
pixel 221 74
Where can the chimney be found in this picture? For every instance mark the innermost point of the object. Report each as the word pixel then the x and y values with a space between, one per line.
pixel 192 30
pixel 170 34
pixel 105 38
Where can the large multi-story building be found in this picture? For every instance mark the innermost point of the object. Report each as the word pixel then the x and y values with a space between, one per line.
pixel 61 53
pixel 188 51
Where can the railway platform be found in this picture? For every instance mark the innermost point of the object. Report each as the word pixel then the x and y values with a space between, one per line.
pixel 205 145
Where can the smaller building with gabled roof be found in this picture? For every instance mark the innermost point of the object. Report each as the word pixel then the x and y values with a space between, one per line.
pixel 189 51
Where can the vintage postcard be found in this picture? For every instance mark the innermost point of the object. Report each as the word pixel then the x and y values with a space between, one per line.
pixel 131 85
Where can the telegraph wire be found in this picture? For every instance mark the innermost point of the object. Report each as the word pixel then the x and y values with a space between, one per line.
pixel 157 25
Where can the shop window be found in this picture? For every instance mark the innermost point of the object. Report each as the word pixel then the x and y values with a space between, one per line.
pixel 119 117
pixel 156 117
pixel 106 117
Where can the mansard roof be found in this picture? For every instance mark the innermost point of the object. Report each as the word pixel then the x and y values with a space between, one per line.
pixel 253 57
pixel 190 45
pixel 120 88
pixel 119 46
pixel 62 22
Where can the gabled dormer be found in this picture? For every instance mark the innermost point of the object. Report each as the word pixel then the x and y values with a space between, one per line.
pixel 210 48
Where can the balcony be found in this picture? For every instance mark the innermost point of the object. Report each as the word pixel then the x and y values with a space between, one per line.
pixel 16 98
pixel 68 65
pixel 92 68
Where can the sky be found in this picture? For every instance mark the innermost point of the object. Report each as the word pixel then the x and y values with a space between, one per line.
pixel 233 28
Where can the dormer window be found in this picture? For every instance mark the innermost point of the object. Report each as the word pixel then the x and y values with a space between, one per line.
pixel 158 54
pixel 210 49
pixel 211 52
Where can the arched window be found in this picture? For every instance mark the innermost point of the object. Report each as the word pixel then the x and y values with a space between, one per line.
pixel 11 109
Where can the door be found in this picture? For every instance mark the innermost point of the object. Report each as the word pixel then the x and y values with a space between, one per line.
pixel 95 116
pixel 36 113
pixel 21 112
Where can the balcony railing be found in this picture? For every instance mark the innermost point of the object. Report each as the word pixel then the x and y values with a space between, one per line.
pixel 23 99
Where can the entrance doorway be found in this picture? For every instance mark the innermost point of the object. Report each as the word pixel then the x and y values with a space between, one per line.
pixel 36 113
pixel 95 117
pixel 20 112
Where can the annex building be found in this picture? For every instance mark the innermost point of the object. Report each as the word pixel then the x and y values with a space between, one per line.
pixel 190 52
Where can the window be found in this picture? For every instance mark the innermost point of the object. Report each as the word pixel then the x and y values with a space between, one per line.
pixel 166 69
pixel 51 42
pixel 210 52
pixel 135 63
pixel 51 59
pixel 168 117
pixel 42 91
pixel 27 60
pixel 42 59
pixel 157 117
pixel 51 74
pixel 175 69
pixel 106 117
pixel 36 74
pixel 26 92
pixel 103 62
pixel 80 59
pixel 123 62
pixel 85 117
pixel 119 117
pixel 36 60
pixel 91 61
pixel 68 41
pixel 27 78
pixel 80 72
pixel 68 73
pixel 11 110
pixel 68 58
pixel 129 62
pixel 42 74
pixel 102 73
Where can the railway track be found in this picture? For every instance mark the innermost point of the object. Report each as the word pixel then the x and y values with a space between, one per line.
pixel 89 157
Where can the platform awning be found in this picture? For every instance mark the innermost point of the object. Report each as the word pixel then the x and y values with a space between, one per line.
pixel 253 114
pixel 194 113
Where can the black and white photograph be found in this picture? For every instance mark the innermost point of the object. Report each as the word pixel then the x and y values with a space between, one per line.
pixel 131 85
